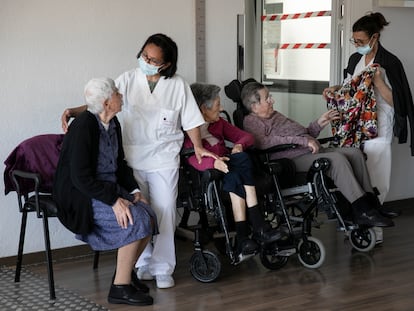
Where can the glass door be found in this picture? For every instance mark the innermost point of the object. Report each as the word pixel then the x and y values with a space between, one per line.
pixel 296 41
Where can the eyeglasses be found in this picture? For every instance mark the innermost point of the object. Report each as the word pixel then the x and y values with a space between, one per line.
pixel 151 60
pixel 359 42
pixel 269 99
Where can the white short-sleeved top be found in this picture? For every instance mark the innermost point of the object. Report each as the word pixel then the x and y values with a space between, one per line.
pixel 152 123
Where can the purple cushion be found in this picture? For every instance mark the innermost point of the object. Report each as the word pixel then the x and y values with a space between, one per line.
pixel 39 154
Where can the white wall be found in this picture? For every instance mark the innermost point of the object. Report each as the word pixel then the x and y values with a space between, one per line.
pixel 397 38
pixel 49 49
pixel 221 44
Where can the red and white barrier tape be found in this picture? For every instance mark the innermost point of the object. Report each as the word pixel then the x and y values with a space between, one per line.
pixel 293 46
pixel 281 17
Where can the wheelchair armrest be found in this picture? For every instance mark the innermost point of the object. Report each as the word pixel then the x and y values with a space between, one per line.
pixel 273 149
pixel 284 147
pixel 210 175
pixel 332 140
pixel 187 152
pixel 207 175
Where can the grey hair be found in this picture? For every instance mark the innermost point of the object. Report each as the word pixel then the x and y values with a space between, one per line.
pixel 97 91
pixel 205 94
pixel 250 94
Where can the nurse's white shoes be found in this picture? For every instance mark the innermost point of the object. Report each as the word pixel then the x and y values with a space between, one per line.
pixel 164 281
pixel 144 274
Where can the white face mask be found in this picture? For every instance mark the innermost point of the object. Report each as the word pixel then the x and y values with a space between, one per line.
pixel 148 69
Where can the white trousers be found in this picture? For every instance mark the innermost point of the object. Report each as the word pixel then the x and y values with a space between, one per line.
pixel 379 165
pixel 161 189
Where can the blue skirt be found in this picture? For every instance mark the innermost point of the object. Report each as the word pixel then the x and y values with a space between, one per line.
pixel 108 235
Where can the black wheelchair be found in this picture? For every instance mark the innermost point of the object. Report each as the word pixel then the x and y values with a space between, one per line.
pixel 200 192
pixel 301 199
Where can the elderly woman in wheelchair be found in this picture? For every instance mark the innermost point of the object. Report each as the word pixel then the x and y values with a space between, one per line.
pixel 347 170
pixel 236 167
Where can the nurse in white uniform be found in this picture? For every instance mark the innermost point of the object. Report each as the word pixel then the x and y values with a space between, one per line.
pixel 158 106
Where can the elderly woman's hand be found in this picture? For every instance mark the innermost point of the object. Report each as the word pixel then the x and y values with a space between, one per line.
pixel 328 116
pixel 313 145
pixel 237 148
pixel 329 90
pixel 122 213
pixel 221 165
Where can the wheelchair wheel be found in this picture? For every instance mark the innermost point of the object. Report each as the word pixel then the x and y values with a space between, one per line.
pixel 205 266
pixel 362 239
pixel 271 261
pixel 311 252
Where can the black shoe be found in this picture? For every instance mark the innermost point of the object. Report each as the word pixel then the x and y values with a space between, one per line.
pixel 267 235
pixel 247 247
pixel 386 212
pixel 372 218
pixel 137 283
pixel 128 294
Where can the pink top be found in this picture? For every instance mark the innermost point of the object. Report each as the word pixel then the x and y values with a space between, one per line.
pixel 223 131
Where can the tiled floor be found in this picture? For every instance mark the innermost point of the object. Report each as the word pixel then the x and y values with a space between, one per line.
pixel 32 293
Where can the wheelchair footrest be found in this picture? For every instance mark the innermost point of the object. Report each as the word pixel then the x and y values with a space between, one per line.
pixel 282 250
pixel 286 252
pixel 242 258
pixel 349 227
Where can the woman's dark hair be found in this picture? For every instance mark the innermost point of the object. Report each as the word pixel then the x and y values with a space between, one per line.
pixel 370 24
pixel 169 51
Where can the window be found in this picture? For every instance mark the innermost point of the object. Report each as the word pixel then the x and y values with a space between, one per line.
pixel 296 38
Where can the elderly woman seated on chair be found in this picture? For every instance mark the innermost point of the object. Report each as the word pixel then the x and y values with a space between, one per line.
pixel 97 195
pixel 236 166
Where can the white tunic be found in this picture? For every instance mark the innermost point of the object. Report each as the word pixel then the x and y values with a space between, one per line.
pixel 153 122
pixel 378 150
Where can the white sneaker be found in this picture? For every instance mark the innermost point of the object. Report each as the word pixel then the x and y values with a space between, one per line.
pixel 164 281
pixel 144 274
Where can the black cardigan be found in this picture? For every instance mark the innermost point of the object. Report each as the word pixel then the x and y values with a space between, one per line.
pixel 75 183
pixel 401 94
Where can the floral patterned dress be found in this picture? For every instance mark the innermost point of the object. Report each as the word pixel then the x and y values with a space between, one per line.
pixel 357 106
